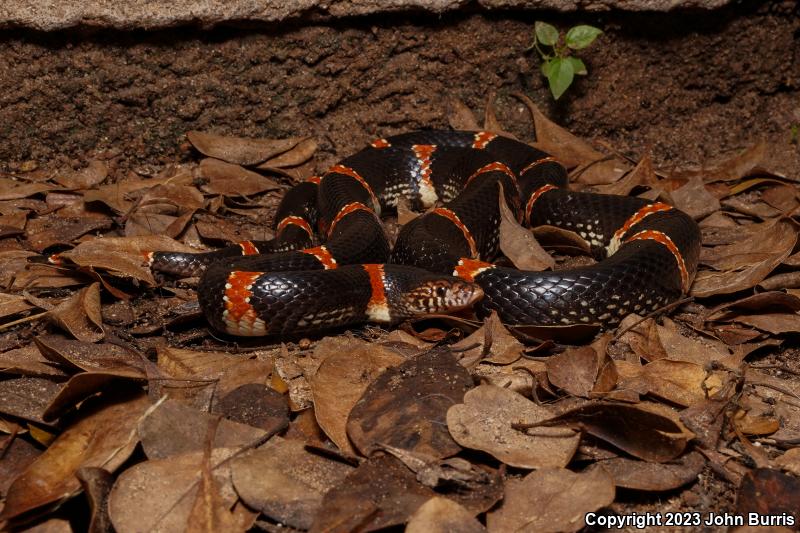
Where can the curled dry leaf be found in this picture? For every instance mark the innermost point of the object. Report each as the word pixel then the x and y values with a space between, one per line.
pixel 83 385
pixel 87 356
pixel 745 263
pixel 596 168
pixel 96 483
pixel 641 475
pixel 80 315
pixel 789 461
pixel 642 174
pixel 239 150
pixel 551 500
pixel 17 454
pixel 406 405
pixel 341 380
pixel 209 374
pixel 94 174
pixel 518 243
pixel 174 429
pixel 123 256
pixel 232 180
pixel 299 154
pixel 28 361
pixel 582 371
pixel 285 482
pixel 167 489
pixel 649 431
pixel 461 117
pixel 103 437
pixel 442 515
pixel 679 382
pixel 485 422
pixel 491 343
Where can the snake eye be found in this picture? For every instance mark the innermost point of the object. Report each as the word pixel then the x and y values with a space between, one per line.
pixel 440 292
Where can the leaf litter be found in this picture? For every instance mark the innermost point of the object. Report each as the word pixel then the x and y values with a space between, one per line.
pixel 445 424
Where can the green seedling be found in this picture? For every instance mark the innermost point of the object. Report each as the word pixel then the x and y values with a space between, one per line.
pixel 559 66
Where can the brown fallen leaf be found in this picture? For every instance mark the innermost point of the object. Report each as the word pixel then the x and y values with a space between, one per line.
pixel 27 397
pixel 239 150
pixel 49 231
pixel 579 371
pixel 551 500
pixel 232 180
pixel 651 477
pixel 93 174
pixel 642 174
pixel 86 384
pixel 167 489
pixel 299 154
pixel 123 256
pixel 442 515
pixel 103 437
pixel 28 361
pixel 461 117
pixel 744 264
pixel 96 483
pixel 406 405
pixel 173 429
pixel 285 482
pixel 256 405
pixel 679 382
pixel 12 189
pixel 768 492
pixel 15 456
pixel 211 511
pixel 485 422
pixel 491 343
pixel 341 379
pixel 594 167
pixel 518 243
pixel 695 200
pixel 378 494
pixel 649 431
pixel 80 315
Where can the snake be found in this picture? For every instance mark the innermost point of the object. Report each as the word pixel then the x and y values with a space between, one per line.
pixel 331 265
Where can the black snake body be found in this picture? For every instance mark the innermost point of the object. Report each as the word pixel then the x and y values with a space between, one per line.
pixel 438 264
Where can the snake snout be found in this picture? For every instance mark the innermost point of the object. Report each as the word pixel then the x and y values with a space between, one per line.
pixel 443 296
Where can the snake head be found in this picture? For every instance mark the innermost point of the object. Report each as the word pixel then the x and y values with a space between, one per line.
pixel 444 295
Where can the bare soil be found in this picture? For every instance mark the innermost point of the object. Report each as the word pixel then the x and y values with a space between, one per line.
pixel 688 85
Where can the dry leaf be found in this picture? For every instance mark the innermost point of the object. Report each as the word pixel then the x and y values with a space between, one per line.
pixel 103 437
pixel 166 489
pixel 442 515
pixel 485 422
pixel 552 500
pixel 232 180
pixel 239 150
pixel 175 429
pixel 285 482
pixel 341 380
pixel 641 475
pixel 406 405
pixel 518 244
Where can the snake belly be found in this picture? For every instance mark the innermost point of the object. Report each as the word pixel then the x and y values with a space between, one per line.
pixel 441 260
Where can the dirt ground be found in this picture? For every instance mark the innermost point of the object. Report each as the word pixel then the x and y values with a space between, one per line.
pixel 690 87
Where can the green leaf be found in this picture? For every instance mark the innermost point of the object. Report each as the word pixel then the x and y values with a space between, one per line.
pixel 546 68
pixel 545 33
pixel 582 36
pixel 560 76
pixel 577 65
